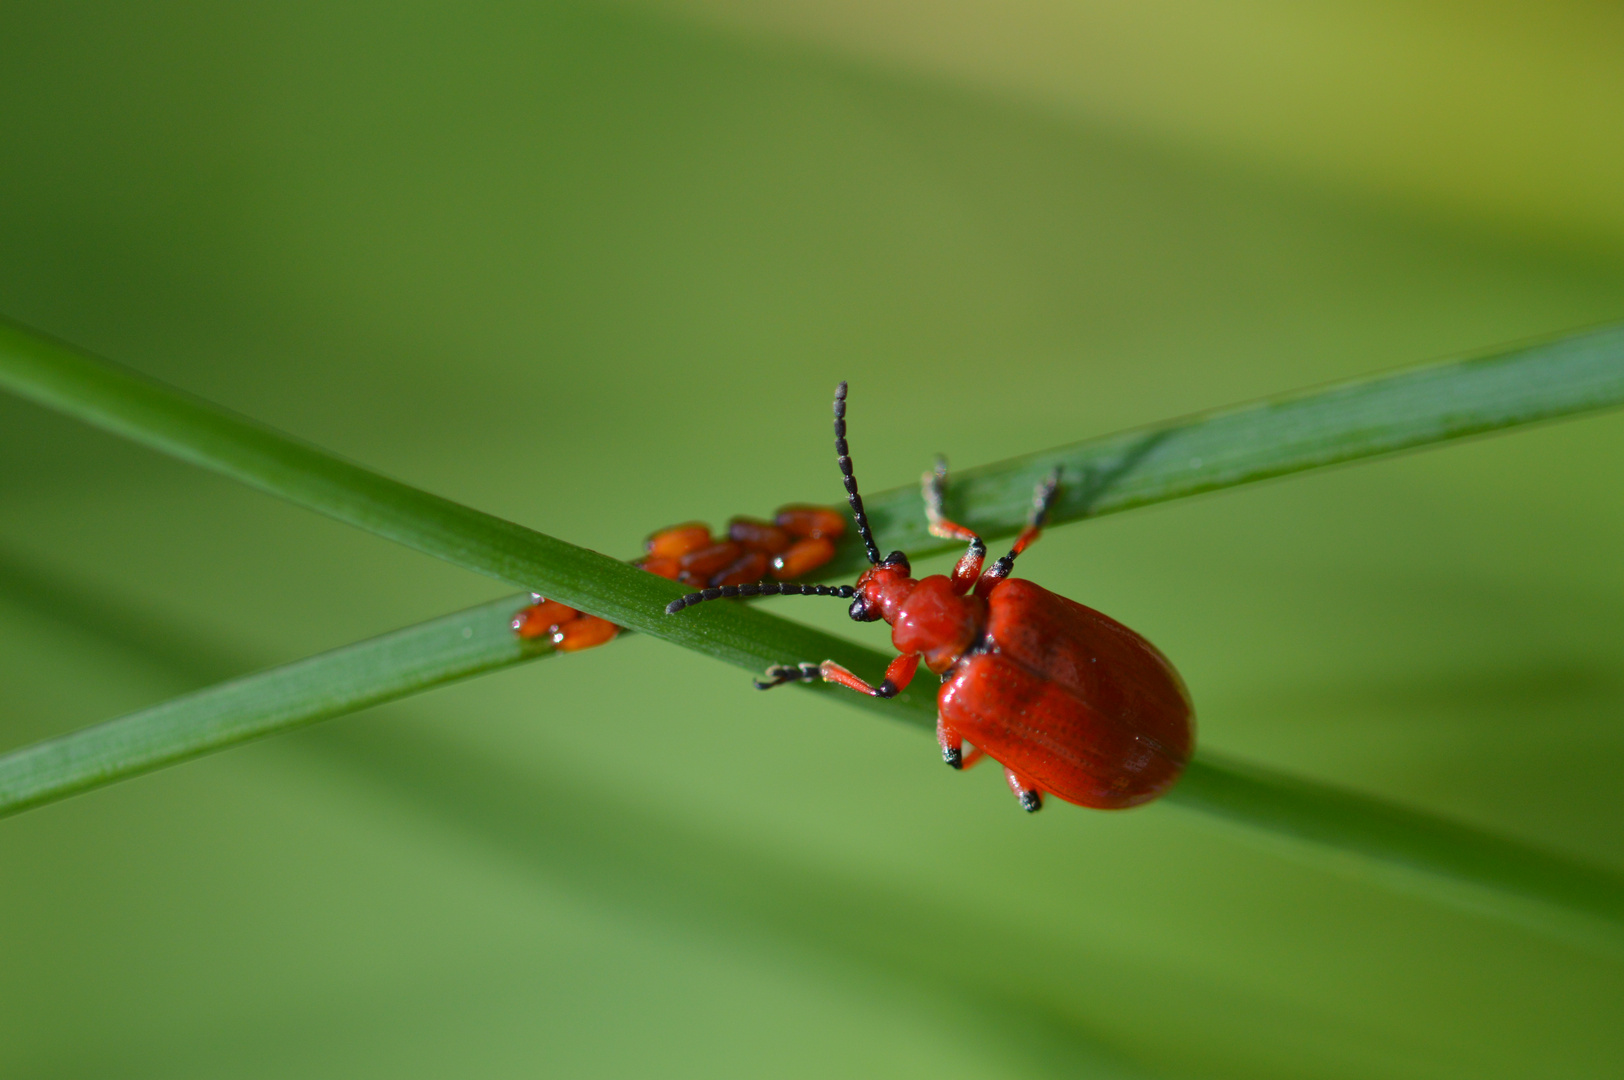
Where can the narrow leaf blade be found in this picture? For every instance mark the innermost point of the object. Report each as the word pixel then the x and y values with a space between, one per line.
pixel 327 685
pixel 1364 418
pixel 1376 416
pixel 1457 864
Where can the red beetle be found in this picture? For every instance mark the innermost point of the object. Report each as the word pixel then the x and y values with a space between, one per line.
pixel 1068 700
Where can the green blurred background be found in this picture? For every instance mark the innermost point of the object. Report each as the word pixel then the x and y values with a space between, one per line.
pixel 596 268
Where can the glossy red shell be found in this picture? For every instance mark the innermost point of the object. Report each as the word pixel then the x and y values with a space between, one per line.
pixel 937 623
pixel 1071 699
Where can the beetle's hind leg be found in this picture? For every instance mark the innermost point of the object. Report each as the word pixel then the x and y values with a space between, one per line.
pixel 1042 499
pixel 968 569
pixel 1026 791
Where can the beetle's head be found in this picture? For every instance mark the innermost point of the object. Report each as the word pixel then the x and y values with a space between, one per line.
pixel 882 589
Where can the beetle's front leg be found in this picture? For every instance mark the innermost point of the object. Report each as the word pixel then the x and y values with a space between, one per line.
pixel 779 674
pixel 898 674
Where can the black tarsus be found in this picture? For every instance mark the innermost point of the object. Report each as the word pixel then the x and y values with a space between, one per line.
pixel 779 674
pixel 856 500
pixel 1043 498
pixel 761 588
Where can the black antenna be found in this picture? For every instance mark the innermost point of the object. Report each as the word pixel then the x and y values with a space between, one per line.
pixel 765 588
pixel 852 497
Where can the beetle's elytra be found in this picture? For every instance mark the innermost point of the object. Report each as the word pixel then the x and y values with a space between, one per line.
pixel 1070 702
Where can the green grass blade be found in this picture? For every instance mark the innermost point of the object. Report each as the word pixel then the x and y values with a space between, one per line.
pixel 121 401
pixel 1384 414
pixel 330 684
pixel 1454 863
pixel 1203 453
pixel 150 413
pixel 1412 851
pixel 1415 407
pixel 371 672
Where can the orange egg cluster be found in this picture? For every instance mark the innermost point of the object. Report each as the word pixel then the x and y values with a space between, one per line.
pixel 796 542
pixel 567 628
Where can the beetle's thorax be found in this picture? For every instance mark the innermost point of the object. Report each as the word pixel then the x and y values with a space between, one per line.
pixel 926 616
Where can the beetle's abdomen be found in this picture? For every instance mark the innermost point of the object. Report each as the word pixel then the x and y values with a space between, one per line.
pixel 1072 699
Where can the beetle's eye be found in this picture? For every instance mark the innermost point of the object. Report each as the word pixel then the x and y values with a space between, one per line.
pixel 860 611
pixel 898 559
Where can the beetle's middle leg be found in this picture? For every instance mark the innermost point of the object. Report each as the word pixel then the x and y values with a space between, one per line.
pixel 968 569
